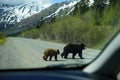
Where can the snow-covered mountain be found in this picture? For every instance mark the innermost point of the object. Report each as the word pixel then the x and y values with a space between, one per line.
pixel 25 16
pixel 13 14
pixel 66 7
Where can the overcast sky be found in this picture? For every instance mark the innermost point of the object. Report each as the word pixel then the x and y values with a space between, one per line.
pixel 12 2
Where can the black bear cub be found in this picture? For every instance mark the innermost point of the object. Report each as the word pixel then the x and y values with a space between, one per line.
pixel 74 49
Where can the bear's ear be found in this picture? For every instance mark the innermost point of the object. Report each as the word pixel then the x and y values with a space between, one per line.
pixel 82 44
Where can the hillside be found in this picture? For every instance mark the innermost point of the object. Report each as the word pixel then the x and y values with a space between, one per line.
pixel 12 14
pixel 93 25
pixel 25 16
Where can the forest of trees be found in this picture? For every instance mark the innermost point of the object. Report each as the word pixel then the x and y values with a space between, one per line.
pixel 91 24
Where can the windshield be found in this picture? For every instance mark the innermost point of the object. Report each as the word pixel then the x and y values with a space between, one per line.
pixel 55 33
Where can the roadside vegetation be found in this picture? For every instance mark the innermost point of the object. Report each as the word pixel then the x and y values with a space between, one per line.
pixel 93 25
pixel 2 38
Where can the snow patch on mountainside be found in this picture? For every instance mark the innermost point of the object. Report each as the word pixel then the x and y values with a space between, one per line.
pixel 70 5
pixel 17 13
pixel 13 14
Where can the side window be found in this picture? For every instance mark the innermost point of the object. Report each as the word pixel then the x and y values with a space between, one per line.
pixel 118 76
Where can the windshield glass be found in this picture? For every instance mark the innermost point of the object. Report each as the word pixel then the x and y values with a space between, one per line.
pixel 55 33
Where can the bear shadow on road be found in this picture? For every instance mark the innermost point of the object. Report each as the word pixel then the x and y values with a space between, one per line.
pixel 72 58
pixel 79 58
pixel 57 60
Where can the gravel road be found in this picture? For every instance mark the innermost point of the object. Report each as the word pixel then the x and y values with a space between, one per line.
pixel 19 53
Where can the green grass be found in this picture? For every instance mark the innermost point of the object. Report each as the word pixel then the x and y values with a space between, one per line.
pixel 2 38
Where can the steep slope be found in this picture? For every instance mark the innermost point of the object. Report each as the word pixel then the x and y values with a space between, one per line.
pixel 13 14
pixel 46 15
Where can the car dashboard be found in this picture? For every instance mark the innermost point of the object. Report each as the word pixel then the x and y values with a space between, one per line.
pixel 58 74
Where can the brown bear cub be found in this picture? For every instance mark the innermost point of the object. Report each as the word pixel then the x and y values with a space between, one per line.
pixel 74 49
pixel 50 53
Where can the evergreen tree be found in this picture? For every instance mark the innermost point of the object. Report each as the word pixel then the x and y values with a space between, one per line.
pixel 81 7
pixel 76 9
pixel 53 18
pixel 84 6
pixel 114 6
pixel 99 7
pixel 114 2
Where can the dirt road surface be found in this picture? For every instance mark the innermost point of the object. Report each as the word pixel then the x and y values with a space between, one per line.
pixel 18 53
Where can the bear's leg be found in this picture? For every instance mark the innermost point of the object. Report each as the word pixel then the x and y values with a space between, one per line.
pixel 62 54
pixel 55 57
pixel 73 55
pixel 50 58
pixel 65 55
pixel 45 58
pixel 80 55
